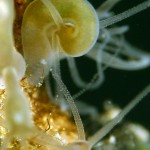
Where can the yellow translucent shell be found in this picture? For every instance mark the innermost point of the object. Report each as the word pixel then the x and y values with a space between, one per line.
pixel 79 39
pixel 76 40
pixel 75 36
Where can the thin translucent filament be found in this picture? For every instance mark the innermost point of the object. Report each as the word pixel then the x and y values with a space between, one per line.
pixel 53 11
pixel 126 14
pixel 108 127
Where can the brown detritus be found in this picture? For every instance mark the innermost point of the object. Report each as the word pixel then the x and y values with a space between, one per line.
pixel 20 6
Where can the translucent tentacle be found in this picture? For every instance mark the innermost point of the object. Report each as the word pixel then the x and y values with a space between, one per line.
pixel 62 88
pixel 70 101
pixel 107 5
pixel 108 127
pixel 126 14
pixel 97 77
pixel 53 11
pixel 103 10
pixel 132 51
pixel 142 60
pixel 118 30
pixel 90 110
pixel 95 82
pixel 75 74
pixel 118 63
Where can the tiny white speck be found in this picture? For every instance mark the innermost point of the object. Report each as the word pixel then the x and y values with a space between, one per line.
pixel 43 61
pixel 2 86
pixel 112 139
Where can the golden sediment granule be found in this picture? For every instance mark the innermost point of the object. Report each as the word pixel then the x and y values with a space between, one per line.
pixel 3 130
pixel 48 116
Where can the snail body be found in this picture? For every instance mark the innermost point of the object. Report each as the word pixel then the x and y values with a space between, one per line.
pixel 56 26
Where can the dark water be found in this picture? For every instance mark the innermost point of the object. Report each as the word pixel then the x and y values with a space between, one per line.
pixel 119 86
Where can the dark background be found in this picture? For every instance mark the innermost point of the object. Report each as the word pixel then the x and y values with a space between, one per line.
pixel 119 86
